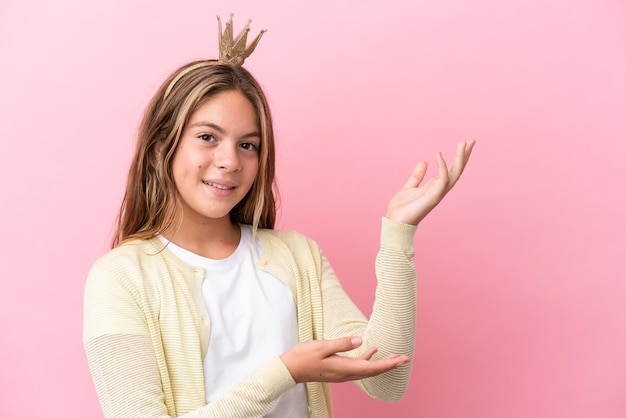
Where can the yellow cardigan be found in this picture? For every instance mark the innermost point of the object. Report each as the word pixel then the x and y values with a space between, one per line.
pixel 146 328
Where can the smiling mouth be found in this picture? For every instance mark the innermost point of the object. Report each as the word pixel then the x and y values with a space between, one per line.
pixel 218 186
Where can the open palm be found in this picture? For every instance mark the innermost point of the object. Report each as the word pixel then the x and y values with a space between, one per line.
pixel 414 201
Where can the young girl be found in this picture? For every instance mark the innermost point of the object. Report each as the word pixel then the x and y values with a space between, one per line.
pixel 201 309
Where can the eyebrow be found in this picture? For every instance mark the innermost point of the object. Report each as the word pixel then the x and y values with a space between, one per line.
pixel 221 130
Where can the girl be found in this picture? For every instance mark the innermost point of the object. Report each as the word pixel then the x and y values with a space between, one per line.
pixel 202 309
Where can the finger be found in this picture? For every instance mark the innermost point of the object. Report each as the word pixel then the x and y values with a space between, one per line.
pixel 344 368
pixel 399 359
pixel 442 168
pixel 464 150
pixel 338 368
pixel 457 165
pixel 368 353
pixel 339 345
pixel 376 367
pixel 416 176
pixel 393 360
pixel 468 150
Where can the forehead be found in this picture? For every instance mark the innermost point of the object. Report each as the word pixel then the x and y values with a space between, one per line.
pixel 228 109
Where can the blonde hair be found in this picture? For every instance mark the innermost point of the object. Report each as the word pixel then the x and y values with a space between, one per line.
pixel 151 202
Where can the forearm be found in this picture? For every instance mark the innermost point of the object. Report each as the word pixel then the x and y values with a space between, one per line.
pixel 129 384
pixel 142 370
pixel 391 327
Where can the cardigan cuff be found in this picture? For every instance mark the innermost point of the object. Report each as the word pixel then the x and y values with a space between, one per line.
pixel 396 235
pixel 275 378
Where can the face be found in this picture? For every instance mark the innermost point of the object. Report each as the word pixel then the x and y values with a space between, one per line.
pixel 217 158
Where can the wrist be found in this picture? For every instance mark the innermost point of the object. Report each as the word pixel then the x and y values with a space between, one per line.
pixel 397 235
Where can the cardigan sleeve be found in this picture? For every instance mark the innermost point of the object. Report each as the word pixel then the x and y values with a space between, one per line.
pixel 391 327
pixel 130 373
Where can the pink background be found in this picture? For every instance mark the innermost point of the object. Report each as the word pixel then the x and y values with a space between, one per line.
pixel 522 269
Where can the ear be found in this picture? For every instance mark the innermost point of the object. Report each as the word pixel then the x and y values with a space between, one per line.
pixel 158 147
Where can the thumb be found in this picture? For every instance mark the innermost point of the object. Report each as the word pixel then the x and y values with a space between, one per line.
pixel 417 175
pixel 340 345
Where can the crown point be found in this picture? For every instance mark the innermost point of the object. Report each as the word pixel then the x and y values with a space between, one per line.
pixel 233 49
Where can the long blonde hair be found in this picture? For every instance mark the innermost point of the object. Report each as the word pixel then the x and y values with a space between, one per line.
pixel 151 202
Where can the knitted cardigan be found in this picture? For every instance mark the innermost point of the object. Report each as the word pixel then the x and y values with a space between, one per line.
pixel 146 327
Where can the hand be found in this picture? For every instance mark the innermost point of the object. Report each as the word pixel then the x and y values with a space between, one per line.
pixel 413 202
pixel 318 361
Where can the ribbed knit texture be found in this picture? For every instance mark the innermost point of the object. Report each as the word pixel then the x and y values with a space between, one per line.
pixel 146 327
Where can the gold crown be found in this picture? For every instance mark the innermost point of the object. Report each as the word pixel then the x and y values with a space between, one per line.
pixel 233 50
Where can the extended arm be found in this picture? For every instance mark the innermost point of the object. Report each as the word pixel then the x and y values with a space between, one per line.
pixel 388 337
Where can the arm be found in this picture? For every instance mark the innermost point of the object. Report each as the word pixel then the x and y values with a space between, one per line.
pixel 391 328
pixel 130 371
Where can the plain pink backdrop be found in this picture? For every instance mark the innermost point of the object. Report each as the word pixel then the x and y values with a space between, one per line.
pixel 521 270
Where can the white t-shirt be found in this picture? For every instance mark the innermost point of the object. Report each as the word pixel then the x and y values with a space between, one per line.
pixel 253 319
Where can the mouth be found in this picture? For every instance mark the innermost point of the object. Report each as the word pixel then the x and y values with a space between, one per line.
pixel 217 185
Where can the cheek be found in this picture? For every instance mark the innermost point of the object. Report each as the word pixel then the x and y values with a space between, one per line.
pixel 186 162
pixel 183 169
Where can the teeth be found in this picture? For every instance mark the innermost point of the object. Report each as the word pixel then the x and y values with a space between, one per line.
pixel 218 186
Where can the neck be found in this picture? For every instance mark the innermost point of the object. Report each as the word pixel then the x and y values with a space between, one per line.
pixel 212 238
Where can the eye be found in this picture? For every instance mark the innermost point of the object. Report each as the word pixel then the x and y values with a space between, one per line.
pixel 249 146
pixel 207 137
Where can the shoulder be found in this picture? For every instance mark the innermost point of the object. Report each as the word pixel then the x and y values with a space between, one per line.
pixel 289 249
pixel 286 239
pixel 129 254
pixel 134 263
pixel 290 256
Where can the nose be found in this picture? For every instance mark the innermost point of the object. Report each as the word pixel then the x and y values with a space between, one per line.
pixel 226 157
